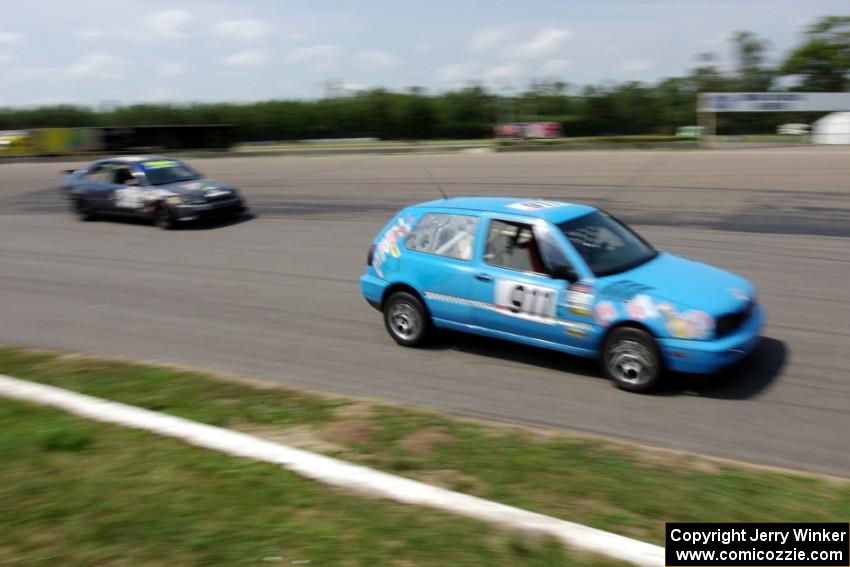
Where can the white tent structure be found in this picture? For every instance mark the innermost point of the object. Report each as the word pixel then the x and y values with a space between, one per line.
pixel 832 129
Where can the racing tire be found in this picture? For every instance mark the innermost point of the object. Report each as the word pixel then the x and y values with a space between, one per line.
pixel 631 360
pixel 84 210
pixel 406 319
pixel 163 217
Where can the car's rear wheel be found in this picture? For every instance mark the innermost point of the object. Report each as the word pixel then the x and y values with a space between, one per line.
pixel 406 319
pixel 84 210
pixel 163 217
pixel 631 359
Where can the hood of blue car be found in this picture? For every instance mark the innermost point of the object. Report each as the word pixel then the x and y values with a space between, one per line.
pixel 682 282
pixel 196 188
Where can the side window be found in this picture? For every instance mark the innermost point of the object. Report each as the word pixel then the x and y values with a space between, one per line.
pixel 512 245
pixel 444 235
pixel 101 173
pixel 121 174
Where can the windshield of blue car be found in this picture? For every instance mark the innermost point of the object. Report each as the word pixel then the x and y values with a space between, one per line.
pixel 164 172
pixel 607 245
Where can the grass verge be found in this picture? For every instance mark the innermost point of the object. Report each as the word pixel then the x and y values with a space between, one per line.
pixel 76 492
pixel 612 486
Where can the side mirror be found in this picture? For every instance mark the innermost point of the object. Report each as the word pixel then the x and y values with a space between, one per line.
pixel 132 182
pixel 564 272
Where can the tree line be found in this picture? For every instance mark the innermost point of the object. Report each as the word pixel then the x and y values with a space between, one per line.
pixel 820 63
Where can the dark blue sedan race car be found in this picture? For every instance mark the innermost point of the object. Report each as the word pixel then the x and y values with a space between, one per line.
pixel 163 189
pixel 562 276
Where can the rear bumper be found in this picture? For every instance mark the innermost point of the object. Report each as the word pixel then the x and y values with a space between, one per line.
pixel 373 289
pixel 708 357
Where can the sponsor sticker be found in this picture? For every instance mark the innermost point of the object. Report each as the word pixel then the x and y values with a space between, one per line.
pixel 574 329
pixel 738 294
pixel 580 298
pixel 604 313
pixel 529 206
pixel 389 244
pixel 701 324
pixel 641 307
pixel 158 164
pixel 693 324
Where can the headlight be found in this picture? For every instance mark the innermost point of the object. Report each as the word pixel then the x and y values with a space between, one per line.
pixel 184 200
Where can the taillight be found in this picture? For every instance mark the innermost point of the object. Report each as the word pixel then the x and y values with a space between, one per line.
pixel 369 257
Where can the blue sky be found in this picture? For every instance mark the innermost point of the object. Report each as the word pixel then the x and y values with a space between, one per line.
pixel 96 51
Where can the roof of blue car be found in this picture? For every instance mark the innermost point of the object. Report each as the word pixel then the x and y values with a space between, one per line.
pixel 553 211
pixel 137 159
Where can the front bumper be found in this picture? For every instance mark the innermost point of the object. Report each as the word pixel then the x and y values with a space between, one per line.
pixel 708 357
pixel 217 209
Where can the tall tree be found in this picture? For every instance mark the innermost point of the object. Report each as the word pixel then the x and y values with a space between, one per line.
pixel 749 60
pixel 706 76
pixel 823 61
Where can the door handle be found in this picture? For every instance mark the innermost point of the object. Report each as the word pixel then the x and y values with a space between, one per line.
pixel 484 277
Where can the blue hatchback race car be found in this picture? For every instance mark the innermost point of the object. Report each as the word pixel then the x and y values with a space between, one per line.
pixel 562 276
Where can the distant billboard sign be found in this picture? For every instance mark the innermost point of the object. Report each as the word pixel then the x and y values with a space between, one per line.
pixel 528 130
pixel 773 102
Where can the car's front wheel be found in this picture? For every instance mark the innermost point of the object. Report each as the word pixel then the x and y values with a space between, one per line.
pixel 84 210
pixel 164 218
pixel 631 359
pixel 406 319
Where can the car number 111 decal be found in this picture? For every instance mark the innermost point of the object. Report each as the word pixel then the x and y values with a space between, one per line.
pixel 526 301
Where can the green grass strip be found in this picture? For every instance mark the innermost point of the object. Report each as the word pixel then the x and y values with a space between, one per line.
pixel 613 486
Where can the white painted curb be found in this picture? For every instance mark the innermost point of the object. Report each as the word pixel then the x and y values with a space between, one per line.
pixel 335 472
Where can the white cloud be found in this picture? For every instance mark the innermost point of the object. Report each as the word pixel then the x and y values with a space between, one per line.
pixel 713 42
pixel 554 66
pixel 97 66
pixel 5 58
pixel 54 99
pixel 293 35
pixel 168 24
pixel 636 66
pixel 545 42
pixel 376 60
pixel 502 74
pixel 247 57
pixel 171 69
pixel 241 30
pixel 30 73
pixel 455 73
pixel 158 93
pixel 312 52
pixel 485 40
pixel 9 39
pixel 87 34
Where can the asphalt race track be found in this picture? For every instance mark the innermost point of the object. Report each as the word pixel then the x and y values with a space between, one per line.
pixel 277 296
